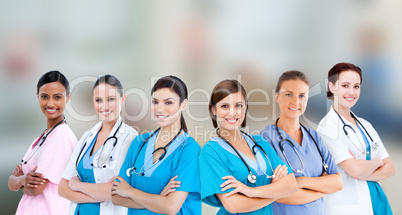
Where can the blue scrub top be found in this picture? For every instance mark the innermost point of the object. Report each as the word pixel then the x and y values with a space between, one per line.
pixel 86 173
pixel 312 165
pixel 217 161
pixel 181 160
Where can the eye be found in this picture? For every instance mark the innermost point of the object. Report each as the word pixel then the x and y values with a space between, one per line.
pixel 98 100
pixel 302 96
pixel 111 99
pixel 154 102
pixel 345 86
pixel 43 96
pixel 168 103
pixel 357 87
pixel 224 106
pixel 239 105
pixel 288 94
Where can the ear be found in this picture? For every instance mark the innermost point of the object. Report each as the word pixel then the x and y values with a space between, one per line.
pixel 331 87
pixel 183 105
pixel 213 110
pixel 68 98
pixel 123 99
pixel 276 97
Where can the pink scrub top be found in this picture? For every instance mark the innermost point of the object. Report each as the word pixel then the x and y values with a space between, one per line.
pixel 51 159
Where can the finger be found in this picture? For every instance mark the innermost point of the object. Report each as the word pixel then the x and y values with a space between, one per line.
pixel 227 177
pixel 225 183
pixel 174 178
pixel 228 187
pixel 34 169
pixel 231 192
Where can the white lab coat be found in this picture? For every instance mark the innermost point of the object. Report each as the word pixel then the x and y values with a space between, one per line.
pixel 354 198
pixel 102 175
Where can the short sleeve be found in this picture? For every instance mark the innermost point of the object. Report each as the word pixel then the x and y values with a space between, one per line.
pixel 188 167
pixel 128 161
pixel 332 167
pixel 266 135
pixel 212 169
pixel 336 145
pixel 56 154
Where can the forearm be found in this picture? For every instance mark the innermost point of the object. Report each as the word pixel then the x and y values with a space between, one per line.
pixel 74 196
pixel 280 189
pixel 325 184
pixel 15 182
pixel 98 191
pixel 126 202
pixel 239 203
pixel 35 191
pixel 360 169
pixel 170 204
pixel 383 172
pixel 302 196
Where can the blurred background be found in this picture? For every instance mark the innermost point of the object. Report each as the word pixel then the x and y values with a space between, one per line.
pixel 202 42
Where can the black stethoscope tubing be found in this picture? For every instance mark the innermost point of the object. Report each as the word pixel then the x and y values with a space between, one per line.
pixel 324 164
pixel 164 148
pixel 252 178
pixel 44 137
pixel 375 145
pixel 109 138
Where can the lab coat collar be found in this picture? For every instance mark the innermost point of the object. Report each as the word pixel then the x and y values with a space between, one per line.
pixel 98 126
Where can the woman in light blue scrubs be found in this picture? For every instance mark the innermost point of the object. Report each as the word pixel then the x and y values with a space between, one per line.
pixel 155 159
pixel 302 149
pixel 240 173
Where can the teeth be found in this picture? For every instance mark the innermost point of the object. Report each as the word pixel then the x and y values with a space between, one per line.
pixel 293 109
pixel 232 120
pixel 51 110
pixel 161 116
pixel 107 112
pixel 349 99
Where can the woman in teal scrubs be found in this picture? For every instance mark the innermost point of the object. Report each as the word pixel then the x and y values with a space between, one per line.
pixel 240 173
pixel 158 156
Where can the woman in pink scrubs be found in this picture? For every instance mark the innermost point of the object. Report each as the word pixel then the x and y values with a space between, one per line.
pixel 40 170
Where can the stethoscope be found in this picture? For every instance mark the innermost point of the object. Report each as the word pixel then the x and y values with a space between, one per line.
pixel 37 146
pixel 141 172
pixel 374 144
pixel 252 178
pixel 112 139
pixel 281 142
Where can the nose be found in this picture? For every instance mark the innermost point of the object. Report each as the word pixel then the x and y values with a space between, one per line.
pixel 50 103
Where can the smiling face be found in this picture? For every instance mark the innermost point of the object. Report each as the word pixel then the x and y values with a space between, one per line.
pixel 292 98
pixel 107 102
pixel 52 99
pixel 346 89
pixel 166 107
pixel 230 111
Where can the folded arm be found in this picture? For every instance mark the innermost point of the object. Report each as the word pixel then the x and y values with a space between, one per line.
pixel 74 196
pixel 359 168
pixel 383 172
pixel 302 196
pixel 32 183
pixel 326 184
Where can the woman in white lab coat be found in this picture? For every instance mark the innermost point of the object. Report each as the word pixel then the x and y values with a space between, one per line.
pixel 98 156
pixel 356 148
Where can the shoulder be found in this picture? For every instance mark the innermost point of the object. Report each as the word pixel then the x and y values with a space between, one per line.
pixel 63 132
pixel 191 143
pixel 212 146
pixel 268 132
pixel 128 130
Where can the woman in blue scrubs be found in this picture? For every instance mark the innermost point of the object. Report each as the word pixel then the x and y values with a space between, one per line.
pixel 158 156
pixel 240 173
pixel 302 149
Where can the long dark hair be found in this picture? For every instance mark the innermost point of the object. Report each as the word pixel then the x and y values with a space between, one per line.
pixel 53 76
pixel 178 86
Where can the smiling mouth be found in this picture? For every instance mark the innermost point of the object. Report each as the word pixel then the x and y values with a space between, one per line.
pixel 232 121
pixel 349 98
pixel 294 109
pixel 51 110
pixel 106 112
pixel 161 117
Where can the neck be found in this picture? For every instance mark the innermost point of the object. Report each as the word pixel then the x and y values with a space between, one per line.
pixel 289 124
pixel 345 112
pixel 52 122
pixel 108 126
pixel 168 132
pixel 232 136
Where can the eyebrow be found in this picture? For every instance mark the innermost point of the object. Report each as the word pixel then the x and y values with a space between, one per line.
pixel 164 99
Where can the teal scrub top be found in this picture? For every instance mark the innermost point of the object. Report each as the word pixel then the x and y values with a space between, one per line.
pixel 86 173
pixel 181 159
pixel 217 161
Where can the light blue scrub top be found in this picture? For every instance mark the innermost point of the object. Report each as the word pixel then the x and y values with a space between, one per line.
pixel 86 173
pixel 217 160
pixel 181 160
pixel 379 200
pixel 312 165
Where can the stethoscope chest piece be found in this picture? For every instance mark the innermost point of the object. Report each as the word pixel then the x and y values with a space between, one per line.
pixel 251 178
pixel 129 171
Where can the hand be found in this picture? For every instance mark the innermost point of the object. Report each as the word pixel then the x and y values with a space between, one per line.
pixel 350 152
pixel 32 179
pixel 324 173
pixel 121 188
pixel 170 187
pixel 74 183
pixel 279 172
pixel 18 171
pixel 231 182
